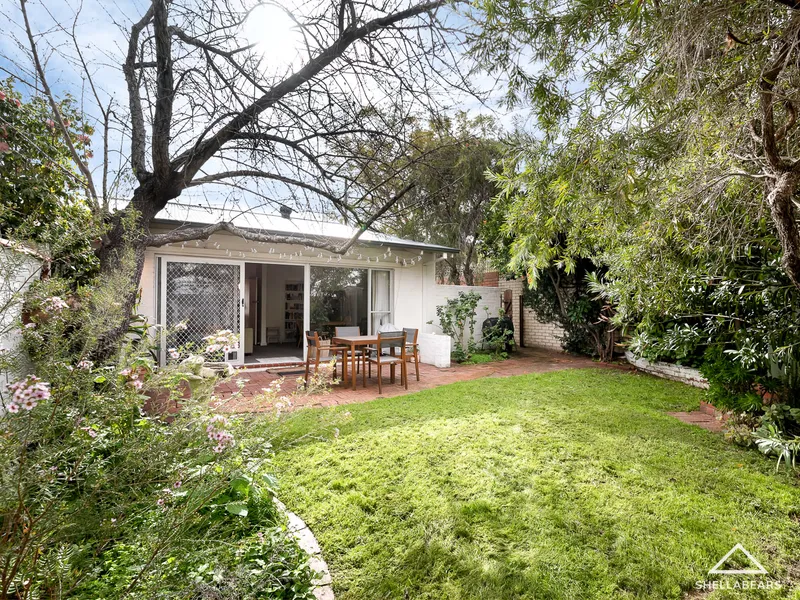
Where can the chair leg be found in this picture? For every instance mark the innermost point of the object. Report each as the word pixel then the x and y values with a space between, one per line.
pixel 363 372
pixel 308 364
pixel 404 373
pixel 416 362
pixel 380 377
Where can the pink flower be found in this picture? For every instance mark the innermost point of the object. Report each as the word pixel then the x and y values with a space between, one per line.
pixel 50 123
pixel 55 304
pixel 174 354
pixel 177 484
pixel 160 502
pixel 13 408
pixel 2 95
pixel 125 372
pixel 85 365
pixel 137 384
pixel 4 147
pixel 17 102
pixel 92 433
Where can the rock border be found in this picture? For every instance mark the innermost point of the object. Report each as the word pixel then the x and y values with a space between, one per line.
pixel 304 537
pixel 671 371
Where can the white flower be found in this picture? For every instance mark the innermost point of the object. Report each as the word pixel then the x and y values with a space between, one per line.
pixel 30 325
pixel 180 327
pixel 174 354
pixel 85 365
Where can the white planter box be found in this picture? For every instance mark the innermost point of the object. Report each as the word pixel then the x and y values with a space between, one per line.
pixel 434 349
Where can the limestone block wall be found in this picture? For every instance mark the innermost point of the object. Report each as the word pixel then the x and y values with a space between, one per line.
pixel 671 371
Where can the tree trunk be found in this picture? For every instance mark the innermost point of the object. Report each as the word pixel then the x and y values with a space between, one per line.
pixel 122 261
pixel 784 216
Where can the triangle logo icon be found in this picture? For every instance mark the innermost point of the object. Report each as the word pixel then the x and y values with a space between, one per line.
pixel 757 570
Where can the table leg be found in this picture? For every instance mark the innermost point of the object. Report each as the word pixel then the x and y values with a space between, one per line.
pixel 344 369
pixel 353 364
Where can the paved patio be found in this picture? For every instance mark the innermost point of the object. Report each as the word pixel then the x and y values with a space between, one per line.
pixel 523 361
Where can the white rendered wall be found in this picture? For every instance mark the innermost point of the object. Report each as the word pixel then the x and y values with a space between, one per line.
pixel 18 270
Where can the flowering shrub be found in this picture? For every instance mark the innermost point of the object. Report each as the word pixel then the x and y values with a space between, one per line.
pixel 27 393
pixel 102 500
pixel 319 381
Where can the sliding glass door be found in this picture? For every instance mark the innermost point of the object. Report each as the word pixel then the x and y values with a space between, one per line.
pixel 344 297
pixel 199 298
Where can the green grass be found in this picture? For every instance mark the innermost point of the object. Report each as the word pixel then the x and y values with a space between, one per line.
pixel 573 484
pixel 483 357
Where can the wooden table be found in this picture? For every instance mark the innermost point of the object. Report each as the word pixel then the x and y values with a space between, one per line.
pixel 353 342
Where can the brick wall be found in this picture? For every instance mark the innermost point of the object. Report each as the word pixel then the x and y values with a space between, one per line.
pixel 535 334
pixel 541 335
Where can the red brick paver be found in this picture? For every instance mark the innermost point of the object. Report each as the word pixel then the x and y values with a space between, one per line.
pixel 707 417
pixel 524 361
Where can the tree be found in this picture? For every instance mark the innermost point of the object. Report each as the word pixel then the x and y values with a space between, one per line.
pixel 449 189
pixel 38 182
pixel 205 112
pixel 673 115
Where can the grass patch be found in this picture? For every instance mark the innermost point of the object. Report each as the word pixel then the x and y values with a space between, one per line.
pixel 483 357
pixel 573 484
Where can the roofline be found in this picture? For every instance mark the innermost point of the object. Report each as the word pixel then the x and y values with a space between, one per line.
pixel 409 244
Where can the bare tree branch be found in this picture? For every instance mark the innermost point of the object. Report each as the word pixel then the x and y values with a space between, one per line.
pixel 129 68
pixel 82 166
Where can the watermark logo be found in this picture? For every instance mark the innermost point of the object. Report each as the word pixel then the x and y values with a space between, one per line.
pixel 718 570
pixel 740 556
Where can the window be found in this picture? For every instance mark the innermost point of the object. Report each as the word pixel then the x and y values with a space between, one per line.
pixel 381 307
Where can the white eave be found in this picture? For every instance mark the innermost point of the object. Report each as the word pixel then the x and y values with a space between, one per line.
pixel 177 216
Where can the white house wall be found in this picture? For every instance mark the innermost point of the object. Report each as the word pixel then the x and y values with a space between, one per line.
pixel 408 299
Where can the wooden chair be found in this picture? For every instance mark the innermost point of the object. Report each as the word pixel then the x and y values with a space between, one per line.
pixel 347 332
pixel 391 340
pixel 312 337
pixel 412 346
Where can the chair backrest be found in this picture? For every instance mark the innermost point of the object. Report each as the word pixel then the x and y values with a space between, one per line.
pixel 312 337
pixel 392 339
pixel 411 335
pixel 347 331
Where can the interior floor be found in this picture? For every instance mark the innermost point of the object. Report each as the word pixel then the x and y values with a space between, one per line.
pixel 275 353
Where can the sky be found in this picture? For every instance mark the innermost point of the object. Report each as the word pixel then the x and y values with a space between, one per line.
pixel 101 30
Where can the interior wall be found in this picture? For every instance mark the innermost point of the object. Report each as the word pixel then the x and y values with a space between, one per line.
pixel 274 278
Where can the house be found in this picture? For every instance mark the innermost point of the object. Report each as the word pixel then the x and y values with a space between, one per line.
pixel 269 294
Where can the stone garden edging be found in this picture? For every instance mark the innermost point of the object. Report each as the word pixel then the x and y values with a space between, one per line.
pixel 306 540
pixel 671 371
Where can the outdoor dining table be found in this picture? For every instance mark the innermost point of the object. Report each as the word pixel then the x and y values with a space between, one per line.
pixel 353 342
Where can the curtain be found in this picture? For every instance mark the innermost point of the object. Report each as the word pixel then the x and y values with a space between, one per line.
pixel 381 299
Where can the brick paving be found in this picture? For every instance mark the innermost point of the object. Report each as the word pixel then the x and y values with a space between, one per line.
pixel 707 417
pixel 523 361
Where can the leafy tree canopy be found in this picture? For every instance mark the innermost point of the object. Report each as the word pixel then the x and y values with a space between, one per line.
pixel 665 137
pixel 449 192
pixel 41 199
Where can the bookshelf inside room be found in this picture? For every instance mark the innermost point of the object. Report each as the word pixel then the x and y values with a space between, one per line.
pixel 293 311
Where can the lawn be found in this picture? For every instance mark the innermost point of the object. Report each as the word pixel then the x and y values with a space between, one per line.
pixel 573 484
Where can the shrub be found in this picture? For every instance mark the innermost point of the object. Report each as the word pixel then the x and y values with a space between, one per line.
pixel 455 316
pixel 101 500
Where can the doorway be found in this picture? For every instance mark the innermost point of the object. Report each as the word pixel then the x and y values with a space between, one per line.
pixel 274 300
